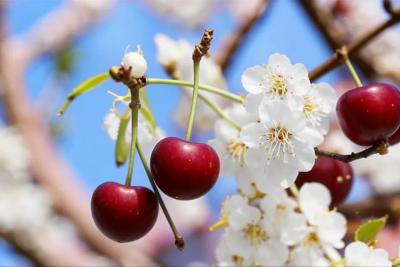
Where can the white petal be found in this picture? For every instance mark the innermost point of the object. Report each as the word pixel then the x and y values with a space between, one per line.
pixel 252 103
pixel 272 253
pixel 252 79
pixel 356 254
pixel 314 198
pixel 251 133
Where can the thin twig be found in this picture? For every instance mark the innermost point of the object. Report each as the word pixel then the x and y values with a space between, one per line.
pixel 376 206
pixel 380 148
pixel 232 44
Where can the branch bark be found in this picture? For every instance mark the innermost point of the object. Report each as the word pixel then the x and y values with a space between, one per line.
pixel 230 47
pixel 47 166
pixel 335 40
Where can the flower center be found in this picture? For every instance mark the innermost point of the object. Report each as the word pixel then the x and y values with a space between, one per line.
pixel 277 142
pixel 255 234
pixel 312 239
pixel 237 150
pixel 238 260
pixel 309 107
pixel 279 85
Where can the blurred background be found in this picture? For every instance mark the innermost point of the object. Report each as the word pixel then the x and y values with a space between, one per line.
pixel 50 46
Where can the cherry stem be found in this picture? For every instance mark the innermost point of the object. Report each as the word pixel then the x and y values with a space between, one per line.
pixel 339 262
pixel 344 54
pixel 379 148
pixel 179 242
pixel 294 190
pixel 219 111
pixel 134 105
pixel 208 88
pixel 196 65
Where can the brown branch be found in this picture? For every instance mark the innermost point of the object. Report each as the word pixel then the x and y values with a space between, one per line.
pixel 47 166
pixel 232 44
pixel 380 148
pixel 353 48
pixel 376 206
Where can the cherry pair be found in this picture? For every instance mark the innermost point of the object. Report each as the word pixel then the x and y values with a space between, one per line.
pixel 182 170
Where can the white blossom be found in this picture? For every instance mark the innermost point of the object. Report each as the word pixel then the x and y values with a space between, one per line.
pixel 359 254
pixel 278 145
pixel 248 236
pixel 14 157
pixel 319 102
pixel 228 144
pixel 277 80
pixel 176 57
pixel 135 63
pixel 147 137
pixel 189 13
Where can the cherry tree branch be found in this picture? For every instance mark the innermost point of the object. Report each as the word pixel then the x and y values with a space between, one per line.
pixel 230 47
pixel 336 41
pixel 376 206
pixel 47 166
pixel 379 148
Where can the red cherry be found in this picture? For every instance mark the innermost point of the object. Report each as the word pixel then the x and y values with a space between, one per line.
pixel 369 114
pixel 395 138
pixel 124 213
pixel 182 169
pixel 336 175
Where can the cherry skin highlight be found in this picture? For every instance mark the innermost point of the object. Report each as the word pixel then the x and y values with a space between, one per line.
pixel 124 213
pixel 336 175
pixel 369 114
pixel 184 170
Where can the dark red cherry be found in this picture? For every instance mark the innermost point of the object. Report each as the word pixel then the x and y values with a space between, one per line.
pixel 124 213
pixel 395 138
pixel 182 169
pixel 336 175
pixel 369 114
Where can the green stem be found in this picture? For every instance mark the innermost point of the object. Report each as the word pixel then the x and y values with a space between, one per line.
pixel 352 71
pixel 196 65
pixel 135 102
pixel 212 89
pixel 396 262
pixel 179 242
pixel 294 190
pixel 219 111
pixel 339 262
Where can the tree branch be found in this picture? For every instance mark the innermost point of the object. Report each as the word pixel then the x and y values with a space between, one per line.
pixel 47 166
pixel 335 41
pixel 380 148
pixel 230 47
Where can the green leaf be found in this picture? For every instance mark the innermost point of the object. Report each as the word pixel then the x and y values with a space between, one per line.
pixel 83 88
pixel 367 232
pixel 121 147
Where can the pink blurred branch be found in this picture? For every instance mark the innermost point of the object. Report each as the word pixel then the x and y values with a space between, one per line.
pixel 49 169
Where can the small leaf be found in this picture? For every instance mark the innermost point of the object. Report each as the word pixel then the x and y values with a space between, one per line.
pixel 83 88
pixel 121 147
pixel 368 231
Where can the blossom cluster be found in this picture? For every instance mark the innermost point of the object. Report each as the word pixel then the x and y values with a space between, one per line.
pixel 278 229
pixel 26 208
pixel 284 118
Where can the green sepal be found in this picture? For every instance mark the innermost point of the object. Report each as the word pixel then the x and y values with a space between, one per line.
pixel 121 147
pixel 83 88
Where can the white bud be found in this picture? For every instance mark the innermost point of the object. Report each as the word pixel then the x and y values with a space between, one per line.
pixel 136 62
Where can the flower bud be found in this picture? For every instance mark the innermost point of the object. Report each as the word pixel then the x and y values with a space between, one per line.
pixel 135 62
